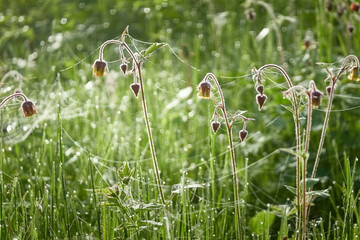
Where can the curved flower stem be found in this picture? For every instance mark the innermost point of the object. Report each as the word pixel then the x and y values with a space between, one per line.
pixel 232 152
pixel 11 96
pixel 343 68
pixel 147 122
pixel 297 133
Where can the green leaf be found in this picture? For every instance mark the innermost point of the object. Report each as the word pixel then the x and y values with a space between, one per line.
pixel 310 182
pixel 320 193
pixel 291 189
pixel 152 48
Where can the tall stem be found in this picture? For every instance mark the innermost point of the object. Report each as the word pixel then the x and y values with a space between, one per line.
pixel 147 122
pixel 327 116
pixel 11 96
pixel 232 152
pixel 297 133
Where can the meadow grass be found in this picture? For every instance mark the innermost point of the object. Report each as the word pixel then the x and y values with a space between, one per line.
pixel 60 168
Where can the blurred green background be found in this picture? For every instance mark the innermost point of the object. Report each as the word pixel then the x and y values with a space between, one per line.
pixel 53 44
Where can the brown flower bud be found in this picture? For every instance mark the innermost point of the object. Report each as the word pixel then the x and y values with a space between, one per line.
pixel 328 90
pixel 28 108
pixel 215 126
pixel 250 14
pixel 260 89
pixel 99 68
pixel 123 68
pixel 350 28
pixel 242 134
pixel 329 6
pixel 204 89
pixel 260 100
pixel 354 7
pixel 135 87
pixel 316 98
pixel 353 74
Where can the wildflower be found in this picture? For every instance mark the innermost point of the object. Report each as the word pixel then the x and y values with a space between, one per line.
pixel 99 68
pixel 28 108
pixel 123 68
pixel 204 89
pixel 260 100
pixel 350 28
pixel 328 90
pixel 260 89
pixel 329 6
pixel 242 134
pixel 135 87
pixel 215 126
pixel 354 7
pixel 353 74
pixel 316 98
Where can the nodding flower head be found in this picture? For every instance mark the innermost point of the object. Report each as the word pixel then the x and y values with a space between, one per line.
pixel 260 100
pixel 354 7
pixel 28 108
pixel 123 68
pixel 260 89
pixel 99 68
pixel 215 126
pixel 328 90
pixel 242 134
pixel 135 87
pixel 316 98
pixel 353 76
pixel 204 89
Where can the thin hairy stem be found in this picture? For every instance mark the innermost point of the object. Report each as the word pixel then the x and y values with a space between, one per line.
pixel 297 135
pixel 343 68
pixel 232 152
pixel 12 96
pixel 147 122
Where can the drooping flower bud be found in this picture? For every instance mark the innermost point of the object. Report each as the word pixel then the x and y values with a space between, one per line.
pixel 350 28
pixel 99 68
pixel 354 7
pixel 215 126
pixel 328 90
pixel 260 89
pixel 204 89
pixel 329 6
pixel 123 68
pixel 28 108
pixel 135 87
pixel 242 134
pixel 353 74
pixel 260 100
pixel 250 14
pixel 316 98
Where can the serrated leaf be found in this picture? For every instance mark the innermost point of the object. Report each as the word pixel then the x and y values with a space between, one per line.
pixel 310 182
pixel 322 193
pixel 152 48
pixel 291 189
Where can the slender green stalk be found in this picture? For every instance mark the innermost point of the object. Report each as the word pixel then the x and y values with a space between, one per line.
pixel 232 152
pixel 333 80
pixel 147 122
pixel 297 133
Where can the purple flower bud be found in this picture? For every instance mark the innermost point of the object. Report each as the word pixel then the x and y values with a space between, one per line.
pixel 215 126
pixel 123 68
pixel 260 89
pixel 204 89
pixel 242 134
pixel 260 100
pixel 316 98
pixel 28 108
pixel 328 90
pixel 135 87
pixel 99 68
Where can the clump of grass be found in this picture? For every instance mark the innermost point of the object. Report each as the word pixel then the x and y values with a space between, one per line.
pixel 204 91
